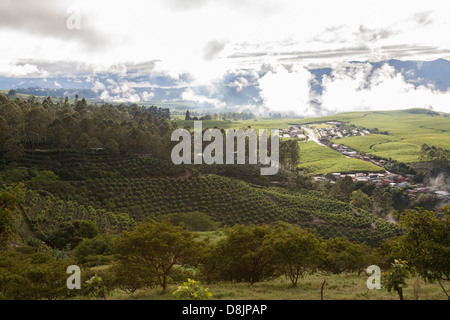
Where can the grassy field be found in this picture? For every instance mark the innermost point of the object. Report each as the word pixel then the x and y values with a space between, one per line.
pixel 258 123
pixel 337 287
pixel 317 159
pixel 408 130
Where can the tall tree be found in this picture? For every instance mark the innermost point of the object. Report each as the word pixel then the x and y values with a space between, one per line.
pixel 10 198
pixel 299 252
pixel 426 243
pixel 158 246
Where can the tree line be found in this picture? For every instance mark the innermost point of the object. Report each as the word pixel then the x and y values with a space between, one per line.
pixel 226 116
pixel 32 124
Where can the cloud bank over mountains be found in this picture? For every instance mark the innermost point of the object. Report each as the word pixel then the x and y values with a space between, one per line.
pixel 291 89
pixel 265 56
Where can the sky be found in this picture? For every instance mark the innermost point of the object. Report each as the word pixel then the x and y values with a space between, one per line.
pixel 274 42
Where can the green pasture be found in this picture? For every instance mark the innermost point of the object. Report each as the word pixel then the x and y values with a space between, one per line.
pixel 317 159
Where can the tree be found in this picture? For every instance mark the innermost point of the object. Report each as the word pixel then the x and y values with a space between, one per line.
pixel 395 278
pixel 360 200
pixel 10 198
pixel 381 201
pixel 11 93
pixel 193 221
pixel 95 250
pixel 58 134
pixel 112 146
pixel 188 116
pixel 158 246
pixel 343 188
pixel 246 254
pixel 83 141
pixel 3 130
pixel 36 122
pixel 298 252
pixel 33 276
pixel 14 150
pixel 341 255
pixel 426 243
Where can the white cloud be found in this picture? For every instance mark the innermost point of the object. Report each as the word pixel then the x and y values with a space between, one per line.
pixel 190 95
pixel 13 70
pixel 385 89
pixel 285 91
pixel 147 96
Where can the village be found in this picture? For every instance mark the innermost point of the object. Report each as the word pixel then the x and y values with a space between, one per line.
pixel 324 133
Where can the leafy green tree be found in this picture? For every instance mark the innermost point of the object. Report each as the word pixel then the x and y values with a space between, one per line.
pixel 36 122
pixel 33 276
pixel 44 179
pixel 426 243
pixel 10 198
pixel 395 278
pixel 95 251
pixel 246 254
pixel 14 150
pixel 341 255
pixel 343 188
pixel 130 278
pixel 3 130
pixel 112 145
pixel 87 229
pixel 298 252
pixel 58 134
pixel 158 246
pixel 12 93
pixel 193 221
pixel 83 141
pixel 360 200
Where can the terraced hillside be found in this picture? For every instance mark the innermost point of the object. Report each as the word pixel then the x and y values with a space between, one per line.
pixel 118 192
pixel 230 201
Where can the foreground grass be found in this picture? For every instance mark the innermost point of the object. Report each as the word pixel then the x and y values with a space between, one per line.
pixel 337 287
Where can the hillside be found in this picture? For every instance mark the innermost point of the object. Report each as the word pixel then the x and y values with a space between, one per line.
pixel 117 193
pixel 407 131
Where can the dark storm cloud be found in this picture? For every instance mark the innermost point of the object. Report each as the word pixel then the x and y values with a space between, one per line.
pixel 48 18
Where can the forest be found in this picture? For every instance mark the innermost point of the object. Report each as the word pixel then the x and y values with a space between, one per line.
pixel 93 185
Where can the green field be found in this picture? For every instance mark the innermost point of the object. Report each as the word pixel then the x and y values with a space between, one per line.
pixel 408 130
pixel 337 287
pixel 317 159
pixel 258 123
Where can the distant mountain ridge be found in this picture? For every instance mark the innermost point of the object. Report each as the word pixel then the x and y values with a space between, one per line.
pixel 234 89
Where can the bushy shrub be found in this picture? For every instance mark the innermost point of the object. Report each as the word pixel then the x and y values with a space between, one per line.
pixel 192 290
